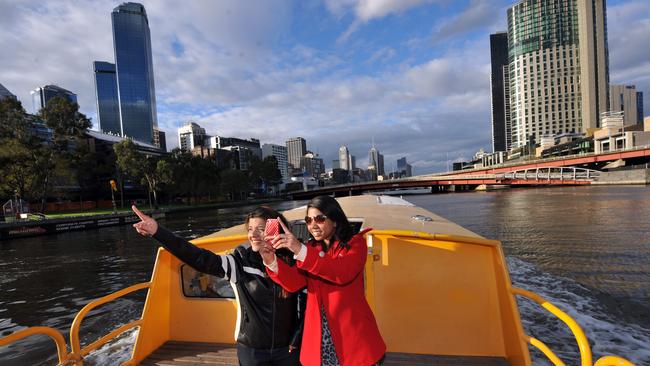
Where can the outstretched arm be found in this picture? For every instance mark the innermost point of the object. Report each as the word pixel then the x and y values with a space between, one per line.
pixel 200 259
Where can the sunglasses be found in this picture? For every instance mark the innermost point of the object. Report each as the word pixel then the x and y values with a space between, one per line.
pixel 319 219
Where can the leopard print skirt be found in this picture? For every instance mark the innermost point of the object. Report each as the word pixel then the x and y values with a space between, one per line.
pixel 327 351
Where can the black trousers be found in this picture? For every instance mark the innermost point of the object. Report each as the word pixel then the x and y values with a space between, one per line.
pixel 266 357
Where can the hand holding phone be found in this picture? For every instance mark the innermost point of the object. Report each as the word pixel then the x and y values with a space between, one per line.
pixel 272 228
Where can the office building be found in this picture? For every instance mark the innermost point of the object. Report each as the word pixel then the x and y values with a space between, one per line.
pixel 639 107
pixel 296 149
pixel 5 93
pixel 108 109
pixel 624 98
pixel 499 85
pixel 134 71
pixel 344 158
pixel 558 67
pixel 281 156
pixel 404 169
pixel 375 163
pixel 42 95
pixel 312 165
pixel 190 136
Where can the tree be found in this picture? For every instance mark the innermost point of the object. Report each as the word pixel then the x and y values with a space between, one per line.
pixel 234 182
pixel 19 149
pixel 65 120
pixel 151 170
pixel 67 124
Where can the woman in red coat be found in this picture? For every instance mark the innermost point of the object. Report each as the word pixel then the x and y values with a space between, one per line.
pixel 340 328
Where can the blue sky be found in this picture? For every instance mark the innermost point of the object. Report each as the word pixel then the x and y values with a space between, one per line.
pixel 411 74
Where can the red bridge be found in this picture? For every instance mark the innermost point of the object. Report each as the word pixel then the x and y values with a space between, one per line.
pixel 564 170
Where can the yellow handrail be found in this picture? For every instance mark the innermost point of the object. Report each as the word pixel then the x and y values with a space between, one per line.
pixel 544 348
pixel 578 333
pixel 77 352
pixel 61 347
pixel 613 361
pixel 429 236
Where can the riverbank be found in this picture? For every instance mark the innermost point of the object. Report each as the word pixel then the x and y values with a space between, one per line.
pixel 74 221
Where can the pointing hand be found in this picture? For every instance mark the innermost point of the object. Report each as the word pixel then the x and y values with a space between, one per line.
pixel 147 226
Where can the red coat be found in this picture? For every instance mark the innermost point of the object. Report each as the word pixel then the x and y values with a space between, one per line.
pixel 335 280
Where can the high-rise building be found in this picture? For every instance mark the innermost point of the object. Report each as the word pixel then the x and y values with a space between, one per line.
pixel 108 109
pixel 42 95
pixel 404 169
pixel 190 136
pixel 623 98
pixel 134 71
pixel 5 93
pixel 280 153
pixel 312 164
pixel 344 158
pixel 296 149
pixel 558 67
pixel 375 163
pixel 500 96
pixel 160 139
pixel 639 107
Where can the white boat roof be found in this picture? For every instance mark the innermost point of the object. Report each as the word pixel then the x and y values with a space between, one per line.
pixel 379 213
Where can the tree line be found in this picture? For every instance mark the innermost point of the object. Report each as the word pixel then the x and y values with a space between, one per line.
pixel 49 157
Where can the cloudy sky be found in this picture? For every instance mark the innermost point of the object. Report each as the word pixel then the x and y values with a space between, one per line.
pixel 411 74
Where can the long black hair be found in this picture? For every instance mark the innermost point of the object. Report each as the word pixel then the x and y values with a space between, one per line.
pixel 331 208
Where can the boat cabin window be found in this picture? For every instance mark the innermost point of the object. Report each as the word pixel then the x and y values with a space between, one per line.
pixel 200 285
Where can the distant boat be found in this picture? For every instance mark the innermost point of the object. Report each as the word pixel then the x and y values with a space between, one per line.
pixel 441 295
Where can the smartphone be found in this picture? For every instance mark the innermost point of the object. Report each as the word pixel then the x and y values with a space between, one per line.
pixel 272 228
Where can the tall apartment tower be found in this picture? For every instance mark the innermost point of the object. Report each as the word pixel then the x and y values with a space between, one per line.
pixel 639 107
pixel 623 98
pixel 296 149
pixel 134 72
pixel 344 158
pixel 43 94
pixel 558 67
pixel 108 109
pixel 501 140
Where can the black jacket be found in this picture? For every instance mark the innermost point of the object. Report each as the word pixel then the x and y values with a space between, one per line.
pixel 268 320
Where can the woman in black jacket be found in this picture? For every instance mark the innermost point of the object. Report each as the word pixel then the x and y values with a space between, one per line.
pixel 270 326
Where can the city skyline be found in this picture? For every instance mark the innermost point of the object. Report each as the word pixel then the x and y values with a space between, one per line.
pixel 334 72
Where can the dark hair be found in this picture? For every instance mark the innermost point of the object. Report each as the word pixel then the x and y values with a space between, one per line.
pixel 266 212
pixel 331 208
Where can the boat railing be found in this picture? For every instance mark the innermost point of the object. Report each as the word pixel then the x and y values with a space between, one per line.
pixel 578 333
pixel 77 352
pixel 61 346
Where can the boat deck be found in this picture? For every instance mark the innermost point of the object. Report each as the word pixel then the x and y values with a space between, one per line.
pixel 188 353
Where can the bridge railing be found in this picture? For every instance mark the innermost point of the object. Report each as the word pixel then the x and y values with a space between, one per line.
pixel 552 173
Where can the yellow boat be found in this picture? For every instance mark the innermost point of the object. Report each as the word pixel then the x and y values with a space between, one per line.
pixel 441 294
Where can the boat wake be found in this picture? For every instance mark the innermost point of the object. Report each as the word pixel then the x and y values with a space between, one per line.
pixel 115 352
pixel 606 327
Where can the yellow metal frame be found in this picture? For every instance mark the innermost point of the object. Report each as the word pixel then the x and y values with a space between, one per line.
pixel 61 347
pixel 578 333
pixel 77 353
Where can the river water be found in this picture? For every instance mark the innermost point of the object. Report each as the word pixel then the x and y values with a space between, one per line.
pixel 586 249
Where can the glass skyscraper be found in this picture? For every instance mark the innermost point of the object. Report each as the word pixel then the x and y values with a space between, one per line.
pixel 108 109
pixel 134 71
pixel 42 95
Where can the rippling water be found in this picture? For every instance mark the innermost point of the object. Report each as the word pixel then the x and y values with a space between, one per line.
pixel 586 249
